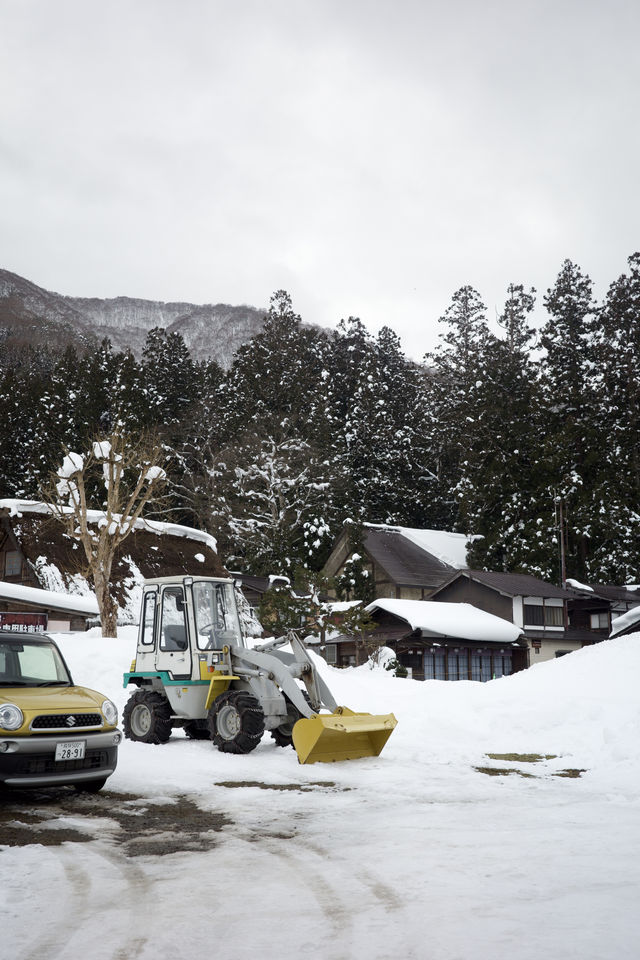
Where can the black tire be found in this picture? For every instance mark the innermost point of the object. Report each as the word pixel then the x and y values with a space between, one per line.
pixel 236 722
pixel 147 717
pixel 90 786
pixel 197 730
pixel 283 735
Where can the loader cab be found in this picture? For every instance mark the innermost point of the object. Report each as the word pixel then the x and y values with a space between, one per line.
pixel 181 618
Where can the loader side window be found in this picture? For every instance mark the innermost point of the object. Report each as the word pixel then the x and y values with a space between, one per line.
pixel 173 633
pixel 146 633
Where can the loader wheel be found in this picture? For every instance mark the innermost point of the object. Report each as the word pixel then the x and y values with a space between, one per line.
pixel 196 730
pixel 236 722
pixel 283 735
pixel 147 717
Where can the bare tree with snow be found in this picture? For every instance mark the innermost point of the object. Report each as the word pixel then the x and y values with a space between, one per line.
pixel 99 498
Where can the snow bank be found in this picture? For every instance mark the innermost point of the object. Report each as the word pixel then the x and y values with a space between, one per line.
pixel 581 708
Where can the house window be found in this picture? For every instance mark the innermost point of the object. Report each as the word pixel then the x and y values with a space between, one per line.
pixel 434 668
pixel 599 621
pixel 331 653
pixel 476 666
pixel 501 665
pixel 542 615
pixel 12 563
pixel 457 665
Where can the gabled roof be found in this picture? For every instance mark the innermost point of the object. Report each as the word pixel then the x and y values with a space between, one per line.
pixel 514 584
pixel 415 557
pixel 460 620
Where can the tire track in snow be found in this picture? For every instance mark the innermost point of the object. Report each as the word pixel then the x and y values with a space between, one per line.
pixel 78 879
pixel 80 912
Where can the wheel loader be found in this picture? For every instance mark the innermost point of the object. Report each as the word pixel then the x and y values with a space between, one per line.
pixel 194 670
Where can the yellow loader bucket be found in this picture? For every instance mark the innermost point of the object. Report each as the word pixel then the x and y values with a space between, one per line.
pixel 343 735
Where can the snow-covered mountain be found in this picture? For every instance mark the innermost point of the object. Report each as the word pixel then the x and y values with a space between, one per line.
pixel 30 312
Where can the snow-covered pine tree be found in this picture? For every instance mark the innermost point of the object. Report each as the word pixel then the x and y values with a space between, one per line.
pixel 267 490
pixel 615 491
pixel 273 382
pixel 569 445
pixel 500 473
pixel 169 377
pixel 456 375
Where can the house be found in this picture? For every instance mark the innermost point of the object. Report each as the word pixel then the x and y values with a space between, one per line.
pixel 597 605
pixel 31 609
pixel 36 554
pixel 554 620
pixel 402 562
pixel 439 641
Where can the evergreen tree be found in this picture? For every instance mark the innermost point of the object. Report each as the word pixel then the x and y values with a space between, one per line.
pixel 497 491
pixel 382 447
pixel 170 382
pixel 615 490
pixel 273 382
pixel 266 491
pixel 456 377
pixel 569 446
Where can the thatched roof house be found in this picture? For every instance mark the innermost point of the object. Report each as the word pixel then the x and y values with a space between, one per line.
pixel 36 552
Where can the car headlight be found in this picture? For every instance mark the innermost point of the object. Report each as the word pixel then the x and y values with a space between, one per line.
pixel 110 712
pixel 10 716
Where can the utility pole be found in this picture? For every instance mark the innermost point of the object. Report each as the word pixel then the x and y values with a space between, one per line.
pixel 560 524
pixel 560 527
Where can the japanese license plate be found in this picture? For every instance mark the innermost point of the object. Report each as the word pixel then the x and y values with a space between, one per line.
pixel 71 750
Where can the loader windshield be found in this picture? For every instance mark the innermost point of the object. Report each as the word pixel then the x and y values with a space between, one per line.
pixel 216 615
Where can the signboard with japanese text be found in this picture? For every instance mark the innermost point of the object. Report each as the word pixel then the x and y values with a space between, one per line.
pixel 23 622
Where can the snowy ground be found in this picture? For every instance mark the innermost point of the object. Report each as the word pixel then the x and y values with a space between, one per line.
pixel 415 854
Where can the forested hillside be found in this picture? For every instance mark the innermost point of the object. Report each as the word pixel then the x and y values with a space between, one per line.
pixel 491 435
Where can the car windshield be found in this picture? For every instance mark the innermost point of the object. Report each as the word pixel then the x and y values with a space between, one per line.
pixel 216 617
pixel 31 663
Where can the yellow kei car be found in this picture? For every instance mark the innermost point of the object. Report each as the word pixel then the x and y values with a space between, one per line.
pixel 52 732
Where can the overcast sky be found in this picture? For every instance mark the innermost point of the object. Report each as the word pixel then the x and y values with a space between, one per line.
pixel 369 156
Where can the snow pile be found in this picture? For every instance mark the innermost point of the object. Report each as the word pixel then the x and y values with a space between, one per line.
pixel 416 853
pixel 581 708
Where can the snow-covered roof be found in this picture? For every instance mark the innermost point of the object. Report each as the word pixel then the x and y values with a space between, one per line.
pixel 69 602
pixel 341 606
pixel 461 620
pixel 623 623
pixel 579 586
pixel 16 508
pixel 449 548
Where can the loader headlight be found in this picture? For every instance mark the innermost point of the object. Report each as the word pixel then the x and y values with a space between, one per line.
pixel 110 713
pixel 10 716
